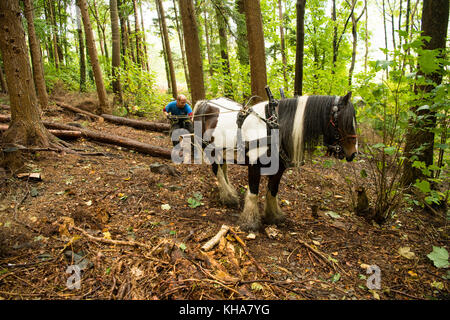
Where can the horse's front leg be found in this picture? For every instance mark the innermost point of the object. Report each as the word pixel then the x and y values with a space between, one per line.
pixel 250 219
pixel 227 195
pixel 272 211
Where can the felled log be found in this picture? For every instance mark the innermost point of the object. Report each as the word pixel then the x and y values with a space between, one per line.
pixel 115 140
pixel 5 118
pixel 138 124
pixel 5 106
pixel 78 110
pixel 62 134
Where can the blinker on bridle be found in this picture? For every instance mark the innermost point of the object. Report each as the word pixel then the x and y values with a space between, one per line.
pixel 339 136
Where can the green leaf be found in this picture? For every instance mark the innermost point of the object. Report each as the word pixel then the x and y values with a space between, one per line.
pixel 332 214
pixel 439 256
pixel 389 151
pixel 256 286
pixel 336 277
pixel 423 186
pixel 182 246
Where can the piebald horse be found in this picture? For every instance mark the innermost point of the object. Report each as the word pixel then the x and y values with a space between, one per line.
pixel 304 122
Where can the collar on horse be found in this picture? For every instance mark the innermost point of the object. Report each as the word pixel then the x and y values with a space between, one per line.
pixel 336 148
pixel 271 120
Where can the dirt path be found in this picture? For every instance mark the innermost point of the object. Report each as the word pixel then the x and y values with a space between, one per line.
pixel 84 202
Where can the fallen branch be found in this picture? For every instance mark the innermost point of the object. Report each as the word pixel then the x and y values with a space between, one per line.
pixel 138 124
pixel 238 239
pixel 5 118
pixel 78 110
pixel 115 242
pixel 322 256
pixel 215 240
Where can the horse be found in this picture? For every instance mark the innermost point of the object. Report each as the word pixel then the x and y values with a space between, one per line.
pixel 303 122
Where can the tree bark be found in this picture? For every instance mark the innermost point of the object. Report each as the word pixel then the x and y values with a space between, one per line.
pixel 223 42
pixel 182 47
pixel 101 91
pixel 3 86
pixel 81 51
pixel 298 86
pixel 26 127
pixel 242 43
pixel 165 36
pixel 115 61
pixel 137 36
pixel 54 31
pixel 164 52
pixel 144 40
pixel 255 38
pixel 282 43
pixel 36 59
pixel 193 55
pixel 420 133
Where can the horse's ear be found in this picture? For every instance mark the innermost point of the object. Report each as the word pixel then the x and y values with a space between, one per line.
pixel 347 98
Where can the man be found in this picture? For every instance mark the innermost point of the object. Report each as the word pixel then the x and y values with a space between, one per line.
pixel 181 109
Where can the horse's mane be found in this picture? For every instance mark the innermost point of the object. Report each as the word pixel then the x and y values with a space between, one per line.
pixel 315 125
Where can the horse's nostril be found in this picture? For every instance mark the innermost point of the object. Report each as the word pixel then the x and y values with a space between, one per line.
pixel 351 157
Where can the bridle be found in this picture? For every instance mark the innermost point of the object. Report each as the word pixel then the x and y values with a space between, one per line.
pixel 339 136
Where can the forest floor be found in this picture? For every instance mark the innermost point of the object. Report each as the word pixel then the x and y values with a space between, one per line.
pixel 134 235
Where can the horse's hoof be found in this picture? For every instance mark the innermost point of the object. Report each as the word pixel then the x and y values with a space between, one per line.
pixel 230 200
pixel 277 219
pixel 249 225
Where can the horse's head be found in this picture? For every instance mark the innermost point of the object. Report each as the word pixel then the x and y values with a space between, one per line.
pixel 343 121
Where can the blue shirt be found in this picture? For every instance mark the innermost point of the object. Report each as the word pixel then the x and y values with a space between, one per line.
pixel 173 109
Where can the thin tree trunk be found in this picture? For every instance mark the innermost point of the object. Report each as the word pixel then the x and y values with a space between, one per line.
pixel 144 40
pixel 182 47
pixel 131 45
pixel 354 42
pixel 223 42
pixel 193 55
pixel 165 36
pixel 282 43
pixel 298 85
pixel 255 37
pixel 366 40
pixel 54 31
pixel 36 59
pixel 164 52
pixel 335 49
pixel 123 34
pixel 115 62
pixel 101 91
pixel 3 86
pixel 242 43
pixel 137 32
pixel 81 51
pixel 208 45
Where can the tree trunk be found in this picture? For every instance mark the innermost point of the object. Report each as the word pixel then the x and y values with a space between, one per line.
pixel 115 61
pixel 144 40
pixel 165 36
pixel 123 33
pixel 335 35
pixel 193 55
pixel 36 59
pixel 137 36
pixel 208 44
pixel 182 47
pixel 255 37
pixel 81 51
pixel 242 43
pixel 26 127
pixel 354 42
pixel 101 91
pixel 282 43
pixel 54 31
pixel 366 40
pixel 223 42
pixel 420 133
pixel 164 52
pixel 298 86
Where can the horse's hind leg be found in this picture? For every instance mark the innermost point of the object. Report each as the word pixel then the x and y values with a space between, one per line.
pixel 272 211
pixel 250 218
pixel 227 195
